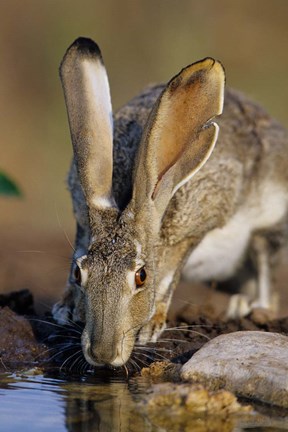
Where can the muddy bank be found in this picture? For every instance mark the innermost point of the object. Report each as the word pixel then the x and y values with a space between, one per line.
pixel 193 328
pixel 30 339
pixel 18 346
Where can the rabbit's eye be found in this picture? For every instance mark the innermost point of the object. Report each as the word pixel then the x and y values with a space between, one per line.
pixel 140 277
pixel 77 275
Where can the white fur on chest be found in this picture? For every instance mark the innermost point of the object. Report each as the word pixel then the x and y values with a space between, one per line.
pixel 219 254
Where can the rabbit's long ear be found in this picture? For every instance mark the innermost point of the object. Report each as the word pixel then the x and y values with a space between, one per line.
pixel 88 103
pixel 180 135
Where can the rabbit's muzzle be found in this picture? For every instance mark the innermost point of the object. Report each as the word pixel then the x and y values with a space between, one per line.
pixel 100 354
pixel 104 350
pixel 106 347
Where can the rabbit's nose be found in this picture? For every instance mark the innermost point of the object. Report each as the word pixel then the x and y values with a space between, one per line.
pixel 102 354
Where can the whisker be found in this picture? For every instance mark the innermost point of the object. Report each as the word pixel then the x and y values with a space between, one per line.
pixel 141 360
pixel 126 371
pixel 63 230
pixel 32 251
pixel 145 355
pixel 186 301
pixel 192 331
pixel 129 363
pixel 132 328
pixel 54 324
pixel 75 362
pixel 69 358
pixel 74 324
pixel 189 327
pixel 59 345
pixel 3 364
pixel 136 365
pixel 156 355
pixel 55 336
pixel 58 353
pixel 170 340
pixel 150 349
pixel 85 366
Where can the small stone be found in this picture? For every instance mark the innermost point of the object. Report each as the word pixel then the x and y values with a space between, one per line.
pixel 162 371
pixel 195 399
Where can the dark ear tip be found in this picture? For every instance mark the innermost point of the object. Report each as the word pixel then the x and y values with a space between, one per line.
pixel 86 47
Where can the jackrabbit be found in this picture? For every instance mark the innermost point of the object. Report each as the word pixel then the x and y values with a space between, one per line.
pixel 153 197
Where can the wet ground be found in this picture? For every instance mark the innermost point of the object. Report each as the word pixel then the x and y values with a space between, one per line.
pixel 29 339
pixel 53 385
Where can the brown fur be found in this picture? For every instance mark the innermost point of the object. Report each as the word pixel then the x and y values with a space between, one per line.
pixel 150 157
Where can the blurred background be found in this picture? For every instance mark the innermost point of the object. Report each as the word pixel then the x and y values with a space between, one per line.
pixel 142 42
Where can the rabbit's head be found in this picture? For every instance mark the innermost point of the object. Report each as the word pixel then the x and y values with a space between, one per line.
pixel 118 276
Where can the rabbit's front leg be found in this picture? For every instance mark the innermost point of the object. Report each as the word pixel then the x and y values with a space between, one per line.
pixel 151 331
pixel 62 310
pixel 71 308
pixel 257 292
pixel 261 248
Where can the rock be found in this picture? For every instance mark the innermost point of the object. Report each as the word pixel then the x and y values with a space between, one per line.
pixel 18 346
pixel 251 364
pixel 20 302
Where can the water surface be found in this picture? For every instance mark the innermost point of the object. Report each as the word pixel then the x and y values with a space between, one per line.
pixel 50 401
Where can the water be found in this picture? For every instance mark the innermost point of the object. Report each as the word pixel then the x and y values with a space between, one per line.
pixel 32 404
pixel 50 403
pixel 59 403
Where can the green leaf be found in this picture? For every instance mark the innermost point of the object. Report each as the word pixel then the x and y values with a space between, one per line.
pixel 8 187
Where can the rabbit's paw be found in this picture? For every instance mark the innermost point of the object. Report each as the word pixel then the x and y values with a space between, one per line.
pixel 267 307
pixel 239 306
pixel 260 304
pixel 151 331
pixel 61 313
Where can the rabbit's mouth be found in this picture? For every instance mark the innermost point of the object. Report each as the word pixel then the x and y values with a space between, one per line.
pixel 98 361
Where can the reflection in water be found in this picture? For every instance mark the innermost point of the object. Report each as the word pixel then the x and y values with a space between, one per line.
pixel 61 403
pixel 56 402
pixel 104 408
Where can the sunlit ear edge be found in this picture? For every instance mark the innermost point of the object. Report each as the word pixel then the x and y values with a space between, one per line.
pixel 204 160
